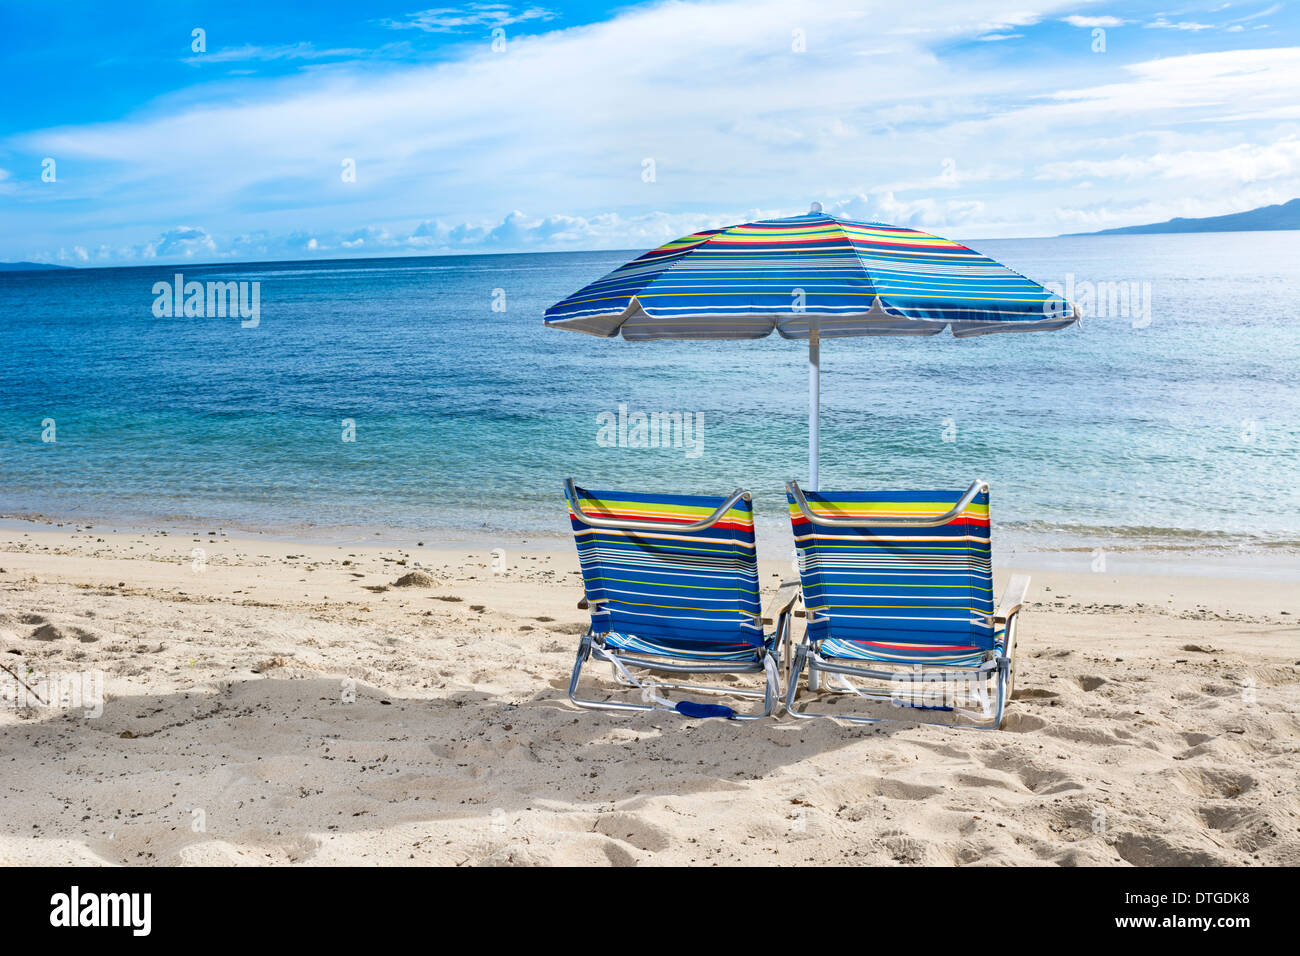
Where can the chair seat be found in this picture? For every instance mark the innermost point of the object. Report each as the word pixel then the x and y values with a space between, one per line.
pixel 683 650
pixel 908 652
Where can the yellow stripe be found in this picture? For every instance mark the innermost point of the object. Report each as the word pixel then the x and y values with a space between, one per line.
pixel 674 607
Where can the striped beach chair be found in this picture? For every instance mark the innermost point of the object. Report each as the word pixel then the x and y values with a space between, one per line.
pixel 671 582
pixel 898 592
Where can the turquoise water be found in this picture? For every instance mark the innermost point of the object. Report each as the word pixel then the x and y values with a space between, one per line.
pixel 1182 431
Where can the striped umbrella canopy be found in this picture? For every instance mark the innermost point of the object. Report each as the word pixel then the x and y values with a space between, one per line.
pixel 810 277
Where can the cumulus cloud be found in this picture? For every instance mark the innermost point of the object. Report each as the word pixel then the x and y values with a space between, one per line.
pixel 520 232
pixel 187 241
pixel 922 213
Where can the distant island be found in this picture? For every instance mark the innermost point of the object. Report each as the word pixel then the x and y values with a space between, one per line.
pixel 28 266
pixel 1283 216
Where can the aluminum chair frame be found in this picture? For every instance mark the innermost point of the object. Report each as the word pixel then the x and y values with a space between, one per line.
pixel 997 668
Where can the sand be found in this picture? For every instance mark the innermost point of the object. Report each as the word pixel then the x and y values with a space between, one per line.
pixel 286 704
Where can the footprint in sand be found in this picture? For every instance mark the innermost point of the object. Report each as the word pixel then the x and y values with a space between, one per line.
pixel 617 855
pixel 1033 693
pixel 1221 816
pixel 631 829
pixel 1213 783
pixel 1148 849
pixel 1018 723
pixel 1248 829
pixel 54 632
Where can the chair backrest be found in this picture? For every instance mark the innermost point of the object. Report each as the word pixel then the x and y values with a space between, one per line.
pixel 930 586
pixel 670 586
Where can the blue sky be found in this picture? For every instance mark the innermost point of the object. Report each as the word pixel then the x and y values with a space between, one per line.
pixel 514 127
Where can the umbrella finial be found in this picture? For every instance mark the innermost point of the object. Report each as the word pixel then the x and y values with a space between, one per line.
pixel 815 209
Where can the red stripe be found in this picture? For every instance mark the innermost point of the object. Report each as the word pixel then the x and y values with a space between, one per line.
pixel 919 647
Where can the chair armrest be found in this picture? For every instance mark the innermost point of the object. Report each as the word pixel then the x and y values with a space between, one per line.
pixel 781 602
pixel 630 524
pixel 1012 598
pixel 977 487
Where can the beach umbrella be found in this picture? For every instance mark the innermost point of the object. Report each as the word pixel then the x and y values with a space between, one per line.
pixel 810 277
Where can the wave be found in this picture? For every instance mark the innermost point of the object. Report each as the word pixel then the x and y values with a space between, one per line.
pixel 1081 537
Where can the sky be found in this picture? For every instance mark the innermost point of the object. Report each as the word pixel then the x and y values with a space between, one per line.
pixel 161 132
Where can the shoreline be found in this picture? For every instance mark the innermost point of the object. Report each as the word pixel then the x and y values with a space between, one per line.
pixel 1126 558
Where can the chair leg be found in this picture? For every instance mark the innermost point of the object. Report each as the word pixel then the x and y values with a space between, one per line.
pixel 771 684
pixel 1004 692
pixel 796 668
pixel 584 654
pixel 814 677
pixel 1006 683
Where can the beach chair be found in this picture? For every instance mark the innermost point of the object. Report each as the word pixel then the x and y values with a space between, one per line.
pixel 671 582
pixel 898 593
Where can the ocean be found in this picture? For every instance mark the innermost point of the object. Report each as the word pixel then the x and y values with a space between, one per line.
pixel 423 398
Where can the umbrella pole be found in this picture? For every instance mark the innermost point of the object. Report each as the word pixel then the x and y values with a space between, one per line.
pixel 814 406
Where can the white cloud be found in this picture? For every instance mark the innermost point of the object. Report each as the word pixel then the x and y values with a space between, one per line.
pixel 186 241
pixel 292 51
pixel 921 213
pixel 1160 23
pixel 1266 12
pixel 1245 163
pixel 1075 20
pixel 1214 82
pixel 451 19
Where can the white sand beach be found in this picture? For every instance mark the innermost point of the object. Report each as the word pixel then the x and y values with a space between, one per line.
pixel 1156 721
